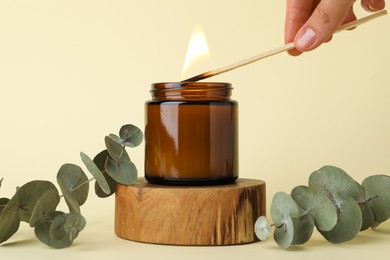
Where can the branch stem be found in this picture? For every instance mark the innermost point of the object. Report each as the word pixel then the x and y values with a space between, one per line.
pixel 81 185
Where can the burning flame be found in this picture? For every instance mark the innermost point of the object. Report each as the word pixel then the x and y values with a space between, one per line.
pixel 197 50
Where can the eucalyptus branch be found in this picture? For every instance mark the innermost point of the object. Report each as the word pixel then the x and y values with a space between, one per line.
pixel 36 202
pixel 333 203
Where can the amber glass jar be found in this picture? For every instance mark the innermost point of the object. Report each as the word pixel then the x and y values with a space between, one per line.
pixel 191 134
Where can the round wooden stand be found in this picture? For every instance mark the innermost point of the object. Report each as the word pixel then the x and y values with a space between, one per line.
pixel 189 215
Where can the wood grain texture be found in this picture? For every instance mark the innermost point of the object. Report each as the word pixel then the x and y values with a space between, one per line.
pixel 189 215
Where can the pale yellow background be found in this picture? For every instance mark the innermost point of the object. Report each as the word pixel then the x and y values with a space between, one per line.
pixel 73 71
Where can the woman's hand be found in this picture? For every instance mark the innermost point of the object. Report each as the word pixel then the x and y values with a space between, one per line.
pixel 309 23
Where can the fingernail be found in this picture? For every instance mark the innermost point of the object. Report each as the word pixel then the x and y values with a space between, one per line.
pixel 371 8
pixel 306 39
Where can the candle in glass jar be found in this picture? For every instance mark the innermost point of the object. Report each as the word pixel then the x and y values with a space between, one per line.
pixel 191 134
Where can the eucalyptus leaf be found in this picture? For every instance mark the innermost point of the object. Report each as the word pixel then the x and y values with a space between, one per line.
pixel 284 233
pixel 100 160
pixel 56 230
pixel 28 196
pixel 368 219
pixel 348 225
pixel 131 135
pixel 9 219
pixel 367 214
pixel 3 203
pixel 375 225
pixel 95 171
pixel 335 183
pixel 74 185
pixel 303 229
pixel 377 192
pixel 316 204
pixel 70 200
pixel 74 223
pixel 67 225
pixel 282 206
pixel 262 228
pixel 124 171
pixel 114 149
pixel 116 139
pixel 46 204
pixel 283 210
pixel 42 232
pixel 1 181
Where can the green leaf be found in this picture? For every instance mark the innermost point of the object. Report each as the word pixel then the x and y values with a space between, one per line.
pixel 316 204
pixel 71 201
pixel 124 171
pixel 28 196
pixel 262 228
pixel 9 219
pixel 42 232
pixel 74 186
pixel 367 216
pixel 283 210
pixel 283 205
pixel 377 192
pixel 74 224
pixel 303 229
pixel 100 160
pixel 46 204
pixel 95 171
pixel 56 230
pixel 114 149
pixel 3 203
pixel 131 135
pixel 1 181
pixel 116 138
pixel 335 183
pixel 21 207
pixel 284 233
pixel 348 224
pixel 67 226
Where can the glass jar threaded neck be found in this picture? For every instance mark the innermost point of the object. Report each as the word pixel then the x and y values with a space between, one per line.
pixel 191 91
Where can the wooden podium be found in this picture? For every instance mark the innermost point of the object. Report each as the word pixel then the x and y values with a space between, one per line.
pixel 189 215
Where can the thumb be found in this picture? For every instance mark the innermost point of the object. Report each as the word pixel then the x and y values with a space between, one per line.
pixel 327 16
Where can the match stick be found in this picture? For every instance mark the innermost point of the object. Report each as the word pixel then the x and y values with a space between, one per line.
pixel 280 49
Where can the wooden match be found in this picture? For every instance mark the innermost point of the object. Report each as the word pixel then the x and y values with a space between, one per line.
pixel 280 49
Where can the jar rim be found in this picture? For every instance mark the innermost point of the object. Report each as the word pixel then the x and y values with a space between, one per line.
pixel 166 86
